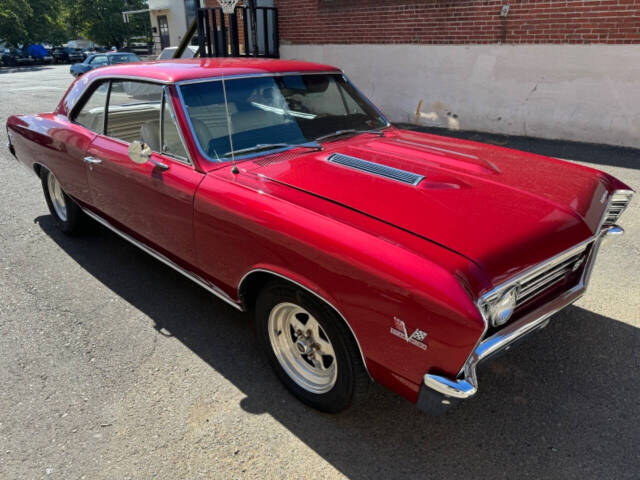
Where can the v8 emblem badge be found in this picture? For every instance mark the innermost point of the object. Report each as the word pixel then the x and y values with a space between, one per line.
pixel 399 329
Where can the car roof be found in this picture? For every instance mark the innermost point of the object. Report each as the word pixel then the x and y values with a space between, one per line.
pixel 177 70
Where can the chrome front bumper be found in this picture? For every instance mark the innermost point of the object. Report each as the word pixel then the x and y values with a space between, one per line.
pixel 438 393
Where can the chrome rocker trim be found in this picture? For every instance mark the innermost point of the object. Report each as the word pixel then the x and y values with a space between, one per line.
pixel 211 288
pixel 158 256
pixel 466 384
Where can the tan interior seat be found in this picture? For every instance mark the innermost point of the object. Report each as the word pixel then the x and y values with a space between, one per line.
pixel 150 134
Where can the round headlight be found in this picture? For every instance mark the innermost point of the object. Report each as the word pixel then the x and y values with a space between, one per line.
pixel 501 310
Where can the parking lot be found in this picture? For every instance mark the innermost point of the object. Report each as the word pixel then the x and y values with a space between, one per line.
pixel 114 366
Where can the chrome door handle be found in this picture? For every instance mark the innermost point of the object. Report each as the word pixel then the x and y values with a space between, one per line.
pixel 92 160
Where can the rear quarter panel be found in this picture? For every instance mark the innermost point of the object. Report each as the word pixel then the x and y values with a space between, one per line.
pixel 54 142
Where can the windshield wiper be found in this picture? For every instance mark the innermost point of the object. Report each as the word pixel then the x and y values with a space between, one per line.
pixel 350 131
pixel 270 146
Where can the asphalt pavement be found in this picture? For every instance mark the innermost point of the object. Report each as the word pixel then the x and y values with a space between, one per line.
pixel 113 366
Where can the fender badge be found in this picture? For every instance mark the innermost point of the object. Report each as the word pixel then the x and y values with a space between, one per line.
pixel 399 329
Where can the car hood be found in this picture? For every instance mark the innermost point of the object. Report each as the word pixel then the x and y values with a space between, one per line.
pixel 503 209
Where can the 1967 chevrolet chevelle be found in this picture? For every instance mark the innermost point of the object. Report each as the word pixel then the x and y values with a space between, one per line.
pixel 365 252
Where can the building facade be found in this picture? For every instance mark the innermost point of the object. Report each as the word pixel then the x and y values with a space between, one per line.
pixel 565 69
pixel 170 20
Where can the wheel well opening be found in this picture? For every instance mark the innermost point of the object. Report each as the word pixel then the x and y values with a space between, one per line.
pixel 38 169
pixel 252 285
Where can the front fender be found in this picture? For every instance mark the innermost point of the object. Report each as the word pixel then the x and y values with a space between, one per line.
pixel 371 274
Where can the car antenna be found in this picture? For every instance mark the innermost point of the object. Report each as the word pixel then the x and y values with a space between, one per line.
pixel 234 169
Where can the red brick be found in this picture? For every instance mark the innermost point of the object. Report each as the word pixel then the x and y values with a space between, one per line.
pixel 459 22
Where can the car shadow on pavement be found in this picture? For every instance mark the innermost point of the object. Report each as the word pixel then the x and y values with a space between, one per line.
pixel 562 405
pixel 31 68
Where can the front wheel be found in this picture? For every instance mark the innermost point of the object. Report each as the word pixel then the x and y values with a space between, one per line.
pixel 65 211
pixel 310 348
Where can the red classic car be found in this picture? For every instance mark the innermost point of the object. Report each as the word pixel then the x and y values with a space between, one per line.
pixel 364 251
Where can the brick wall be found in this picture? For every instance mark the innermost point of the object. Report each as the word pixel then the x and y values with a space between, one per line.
pixel 458 22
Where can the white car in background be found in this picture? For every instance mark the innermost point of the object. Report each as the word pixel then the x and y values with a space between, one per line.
pixel 168 52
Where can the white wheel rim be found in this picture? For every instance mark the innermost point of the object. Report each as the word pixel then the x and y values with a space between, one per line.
pixel 302 347
pixel 57 197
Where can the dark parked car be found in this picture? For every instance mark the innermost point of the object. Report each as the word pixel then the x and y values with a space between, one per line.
pixel 14 57
pixel 66 55
pixel 100 60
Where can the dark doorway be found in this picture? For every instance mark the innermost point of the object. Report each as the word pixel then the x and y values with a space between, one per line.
pixel 163 27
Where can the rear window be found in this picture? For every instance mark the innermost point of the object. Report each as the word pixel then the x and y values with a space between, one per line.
pixel 124 58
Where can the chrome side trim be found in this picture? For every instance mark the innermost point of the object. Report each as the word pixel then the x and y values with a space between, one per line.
pixel 158 256
pixel 364 362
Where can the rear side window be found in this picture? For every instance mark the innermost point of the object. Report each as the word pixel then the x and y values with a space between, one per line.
pixel 91 115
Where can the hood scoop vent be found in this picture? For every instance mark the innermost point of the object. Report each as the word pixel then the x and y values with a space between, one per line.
pixel 376 169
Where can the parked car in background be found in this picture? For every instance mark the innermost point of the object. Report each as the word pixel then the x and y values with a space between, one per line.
pixel 167 53
pixel 16 57
pixel 93 51
pixel 66 55
pixel 39 54
pixel 101 60
pixel 362 250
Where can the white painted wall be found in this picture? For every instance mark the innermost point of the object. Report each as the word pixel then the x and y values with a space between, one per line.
pixel 587 93
pixel 176 18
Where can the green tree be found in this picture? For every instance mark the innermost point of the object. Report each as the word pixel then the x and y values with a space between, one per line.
pixel 101 20
pixel 34 21
pixel 13 17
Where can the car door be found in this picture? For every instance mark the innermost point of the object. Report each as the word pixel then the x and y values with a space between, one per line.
pixel 152 201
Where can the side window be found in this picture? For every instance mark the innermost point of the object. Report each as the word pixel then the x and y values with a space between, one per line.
pixel 99 61
pixel 91 115
pixel 134 112
pixel 172 143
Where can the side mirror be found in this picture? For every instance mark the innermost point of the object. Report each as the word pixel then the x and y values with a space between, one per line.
pixel 139 152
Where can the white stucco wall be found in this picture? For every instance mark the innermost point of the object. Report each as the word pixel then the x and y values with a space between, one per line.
pixel 587 93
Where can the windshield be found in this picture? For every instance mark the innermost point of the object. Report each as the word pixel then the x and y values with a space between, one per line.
pixel 275 110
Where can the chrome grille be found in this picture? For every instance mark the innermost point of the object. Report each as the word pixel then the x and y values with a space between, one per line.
pixel 376 168
pixel 617 204
pixel 538 280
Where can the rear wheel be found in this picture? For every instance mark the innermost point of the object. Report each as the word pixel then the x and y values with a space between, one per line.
pixel 65 211
pixel 310 348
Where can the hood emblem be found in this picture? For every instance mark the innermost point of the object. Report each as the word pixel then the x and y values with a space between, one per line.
pixel 399 329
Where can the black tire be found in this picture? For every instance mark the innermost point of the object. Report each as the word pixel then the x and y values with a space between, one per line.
pixel 75 218
pixel 352 382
